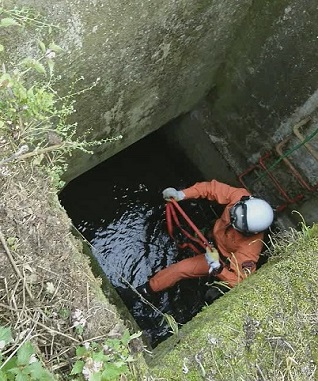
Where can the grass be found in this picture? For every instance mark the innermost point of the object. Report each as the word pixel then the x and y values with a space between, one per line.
pixel 264 329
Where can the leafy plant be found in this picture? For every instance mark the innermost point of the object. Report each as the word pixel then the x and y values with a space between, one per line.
pixel 170 320
pixel 103 361
pixel 22 364
pixel 32 112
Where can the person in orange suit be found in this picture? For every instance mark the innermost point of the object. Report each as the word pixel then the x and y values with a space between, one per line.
pixel 238 237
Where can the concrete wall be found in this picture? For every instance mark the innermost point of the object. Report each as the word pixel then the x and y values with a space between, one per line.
pixel 245 72
pixel 216 158
pixel 155 60
pixel 189 133
pixel 268 75
pixel 267 84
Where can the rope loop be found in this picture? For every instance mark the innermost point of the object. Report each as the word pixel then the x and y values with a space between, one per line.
pixel 172 208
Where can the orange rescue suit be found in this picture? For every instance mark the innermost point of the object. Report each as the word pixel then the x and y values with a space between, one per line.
pixel 239 251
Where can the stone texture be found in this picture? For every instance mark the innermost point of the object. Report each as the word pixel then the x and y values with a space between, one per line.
pixel 269 74
pixel 155 61
pixel 266 84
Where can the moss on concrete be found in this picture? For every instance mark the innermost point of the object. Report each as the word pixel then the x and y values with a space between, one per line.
pixel 269 73
pixel 155 61
pixel 265 327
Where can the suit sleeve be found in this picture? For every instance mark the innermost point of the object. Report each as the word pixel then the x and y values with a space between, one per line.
pixel 215 191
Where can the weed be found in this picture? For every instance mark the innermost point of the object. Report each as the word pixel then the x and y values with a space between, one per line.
pixel 103 361
pixel 33 114
pixel 93 361
pixel 22 364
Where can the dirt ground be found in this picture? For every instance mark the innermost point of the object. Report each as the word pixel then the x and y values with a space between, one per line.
pixel 46 285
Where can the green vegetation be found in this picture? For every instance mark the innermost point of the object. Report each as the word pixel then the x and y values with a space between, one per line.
pixel 36 135
pixel 264 329
pixel 93 361
pixel 34 117
pixel 103 361
pixel 20 363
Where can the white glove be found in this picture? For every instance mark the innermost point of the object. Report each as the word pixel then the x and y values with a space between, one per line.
pixel 173 193
pixel 213 259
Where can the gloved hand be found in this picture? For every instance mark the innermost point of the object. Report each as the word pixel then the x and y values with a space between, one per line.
pixel 213 259
pixel 173 193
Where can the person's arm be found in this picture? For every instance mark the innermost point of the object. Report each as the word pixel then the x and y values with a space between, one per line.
pixel 243 262
pixel 215 190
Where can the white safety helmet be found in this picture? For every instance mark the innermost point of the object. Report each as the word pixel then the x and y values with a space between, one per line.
pixel 251 215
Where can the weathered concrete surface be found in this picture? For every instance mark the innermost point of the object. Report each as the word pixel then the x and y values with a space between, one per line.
pixel 269 75
pixel 267 84
pixel 155 60
pixel 188 133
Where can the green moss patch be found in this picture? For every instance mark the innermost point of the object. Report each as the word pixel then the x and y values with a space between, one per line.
pixel 264 329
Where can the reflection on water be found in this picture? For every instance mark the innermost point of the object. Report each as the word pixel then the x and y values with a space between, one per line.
pixel 119 209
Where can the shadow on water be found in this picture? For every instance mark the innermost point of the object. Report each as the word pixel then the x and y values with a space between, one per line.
pixel 118 207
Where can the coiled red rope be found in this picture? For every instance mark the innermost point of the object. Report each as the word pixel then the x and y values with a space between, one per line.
pixel 172 207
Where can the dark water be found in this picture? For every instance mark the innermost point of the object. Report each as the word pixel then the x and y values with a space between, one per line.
pixel 119 209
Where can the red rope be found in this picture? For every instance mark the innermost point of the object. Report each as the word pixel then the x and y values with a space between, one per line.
pixel 172 207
